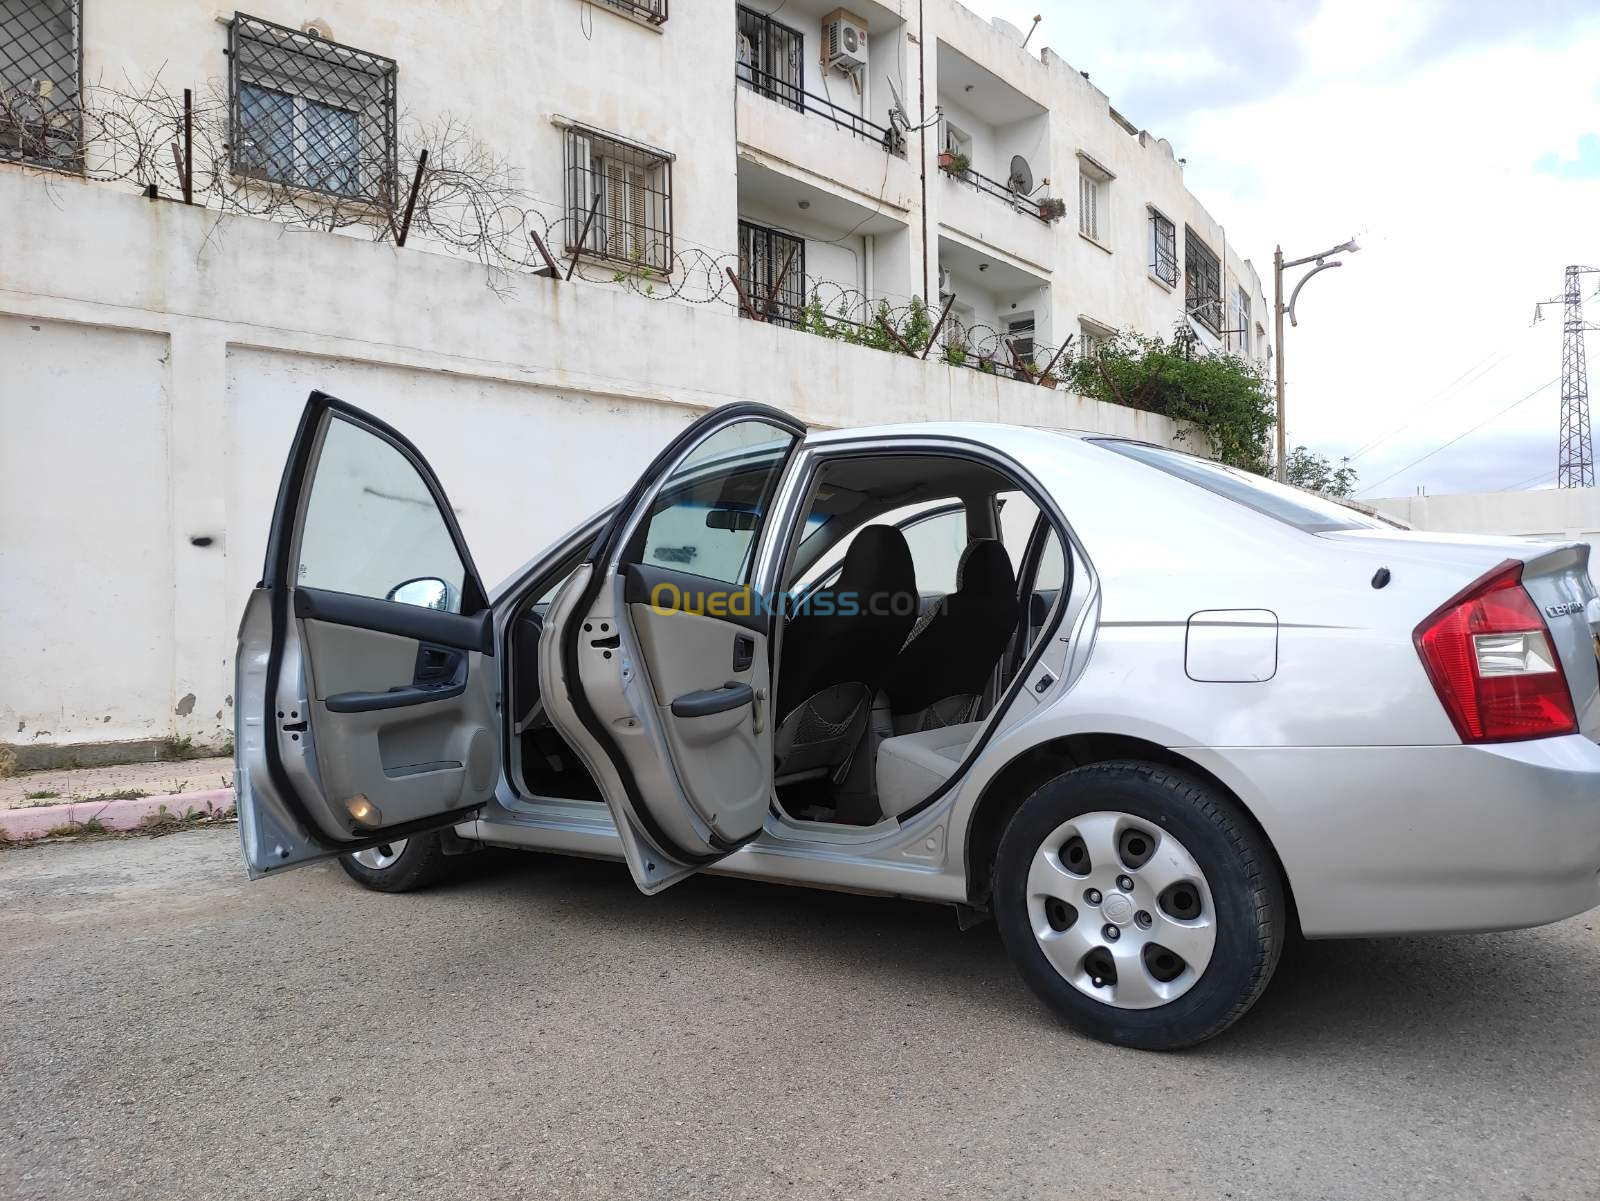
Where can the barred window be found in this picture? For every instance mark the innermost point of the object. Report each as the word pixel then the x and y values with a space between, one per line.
pixel 762 254
pixel 1202 282
pixel 41 64
pixel 769 56
pixel 654 11
pixel 1163 250
pixel 627 186
pixel 311 113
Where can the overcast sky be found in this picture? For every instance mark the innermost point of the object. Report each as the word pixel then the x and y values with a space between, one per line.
pixel 1458 140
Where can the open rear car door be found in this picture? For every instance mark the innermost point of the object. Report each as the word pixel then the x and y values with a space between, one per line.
pixel 654 665
pixel 364 701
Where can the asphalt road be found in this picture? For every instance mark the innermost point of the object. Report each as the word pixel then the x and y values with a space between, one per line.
pixel 538 1028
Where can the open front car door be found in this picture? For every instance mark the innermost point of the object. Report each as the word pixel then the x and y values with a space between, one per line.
pixel 364 701
pixel 654 665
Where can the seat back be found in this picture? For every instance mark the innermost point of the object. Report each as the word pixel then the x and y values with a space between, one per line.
pixel 939 677
pixel 838 652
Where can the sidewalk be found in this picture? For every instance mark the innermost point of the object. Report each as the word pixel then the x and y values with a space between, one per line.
pixel 126 797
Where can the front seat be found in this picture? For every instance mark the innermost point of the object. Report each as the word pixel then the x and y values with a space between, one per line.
pixel 941 674
pixel 835 662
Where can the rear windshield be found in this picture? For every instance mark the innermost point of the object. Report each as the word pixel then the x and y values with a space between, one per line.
pixel 1293 506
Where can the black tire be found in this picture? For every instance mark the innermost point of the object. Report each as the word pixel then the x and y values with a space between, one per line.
pixel 422 862
pixel 1248 896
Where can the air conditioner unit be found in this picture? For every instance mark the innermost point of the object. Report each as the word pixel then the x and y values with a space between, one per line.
pixel 844 42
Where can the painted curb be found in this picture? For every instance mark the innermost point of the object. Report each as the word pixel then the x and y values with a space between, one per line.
pixel 38 820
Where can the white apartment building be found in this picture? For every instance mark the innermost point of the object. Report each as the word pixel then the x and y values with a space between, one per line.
pixel 690 161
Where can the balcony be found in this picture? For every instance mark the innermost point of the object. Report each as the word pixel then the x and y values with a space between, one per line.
pixel 999 312
pixel 994 154
pixel 802 244
pixel 822 125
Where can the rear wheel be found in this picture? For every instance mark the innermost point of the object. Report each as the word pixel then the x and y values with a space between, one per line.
pixel 1139 903
pixel 398 866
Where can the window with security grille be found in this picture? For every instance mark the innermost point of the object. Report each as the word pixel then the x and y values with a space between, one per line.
pixel 654 11
pixel 619 200
pixel 1202 282
pixel 311 113
pixel 41 64
pixel 763 254
pixel 769 55
pixel 1020 336
pixel 1163 250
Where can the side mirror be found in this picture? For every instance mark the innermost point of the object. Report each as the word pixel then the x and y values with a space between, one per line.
pixel 730 519
pixel 426 592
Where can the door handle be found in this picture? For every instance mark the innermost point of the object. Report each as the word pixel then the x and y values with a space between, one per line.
pixel 744 652
pixel 704 703
pixel 395 698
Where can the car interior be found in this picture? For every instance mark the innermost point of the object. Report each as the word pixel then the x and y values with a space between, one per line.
pixel 903 623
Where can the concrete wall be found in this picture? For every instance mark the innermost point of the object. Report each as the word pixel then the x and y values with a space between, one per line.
pixel 1550 513
pixel 156 358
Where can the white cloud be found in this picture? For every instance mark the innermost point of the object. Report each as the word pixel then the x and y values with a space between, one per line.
pixel 1417 128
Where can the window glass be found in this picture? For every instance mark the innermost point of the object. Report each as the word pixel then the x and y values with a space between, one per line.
pixel 371 526
pixel 707 515
pixel 935 538
pixel 1018 515
pixel 1292 506
pixel 936 545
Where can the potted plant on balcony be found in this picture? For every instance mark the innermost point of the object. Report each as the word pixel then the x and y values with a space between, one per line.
pixel 1037 375
pixel 1052 208
pixel 954 163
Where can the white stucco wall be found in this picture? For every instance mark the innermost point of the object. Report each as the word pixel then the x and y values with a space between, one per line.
pixel 1549 513
pixel 156 359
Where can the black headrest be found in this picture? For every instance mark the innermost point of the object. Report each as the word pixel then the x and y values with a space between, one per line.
pixel 985 570
pixel 878 561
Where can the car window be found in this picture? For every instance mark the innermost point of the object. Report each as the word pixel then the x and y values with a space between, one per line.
pixel 372 527
pixel 708 512
pixel 935 532
pixel 1018 516
pixel 1292 506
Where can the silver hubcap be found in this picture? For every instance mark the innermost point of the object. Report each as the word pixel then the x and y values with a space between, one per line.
pixel 381 856
pixel 1121 910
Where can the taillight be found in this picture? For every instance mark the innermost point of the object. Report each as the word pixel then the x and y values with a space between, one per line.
pixel 1491 661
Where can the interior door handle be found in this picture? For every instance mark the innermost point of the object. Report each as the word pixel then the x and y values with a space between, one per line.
pixel 394 698
pixel 744 652
pixel 713 700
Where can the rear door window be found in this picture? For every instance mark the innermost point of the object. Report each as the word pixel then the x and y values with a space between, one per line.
pixel 1292 506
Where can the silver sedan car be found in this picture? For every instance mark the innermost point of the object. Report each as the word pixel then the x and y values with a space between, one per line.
pixel 1152 715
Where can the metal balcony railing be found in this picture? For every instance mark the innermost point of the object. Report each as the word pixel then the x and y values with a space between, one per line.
pixel 992 187
pixel 792 95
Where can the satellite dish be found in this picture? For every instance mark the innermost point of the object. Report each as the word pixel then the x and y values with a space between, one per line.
pixel 1021 180
pixel 897 111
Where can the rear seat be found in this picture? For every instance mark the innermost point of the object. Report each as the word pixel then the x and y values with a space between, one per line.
pixel 912 766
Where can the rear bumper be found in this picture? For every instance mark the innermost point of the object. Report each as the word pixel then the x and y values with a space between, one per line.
pixel 1413 840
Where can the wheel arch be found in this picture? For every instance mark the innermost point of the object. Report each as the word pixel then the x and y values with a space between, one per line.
pixel 1003 795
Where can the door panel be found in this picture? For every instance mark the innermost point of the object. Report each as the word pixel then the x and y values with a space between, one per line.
pixel 660 647
pixel 362 715
pixel 722 755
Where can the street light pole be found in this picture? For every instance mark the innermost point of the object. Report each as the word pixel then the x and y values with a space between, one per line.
pixel 1279 311
pixel 1277 345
